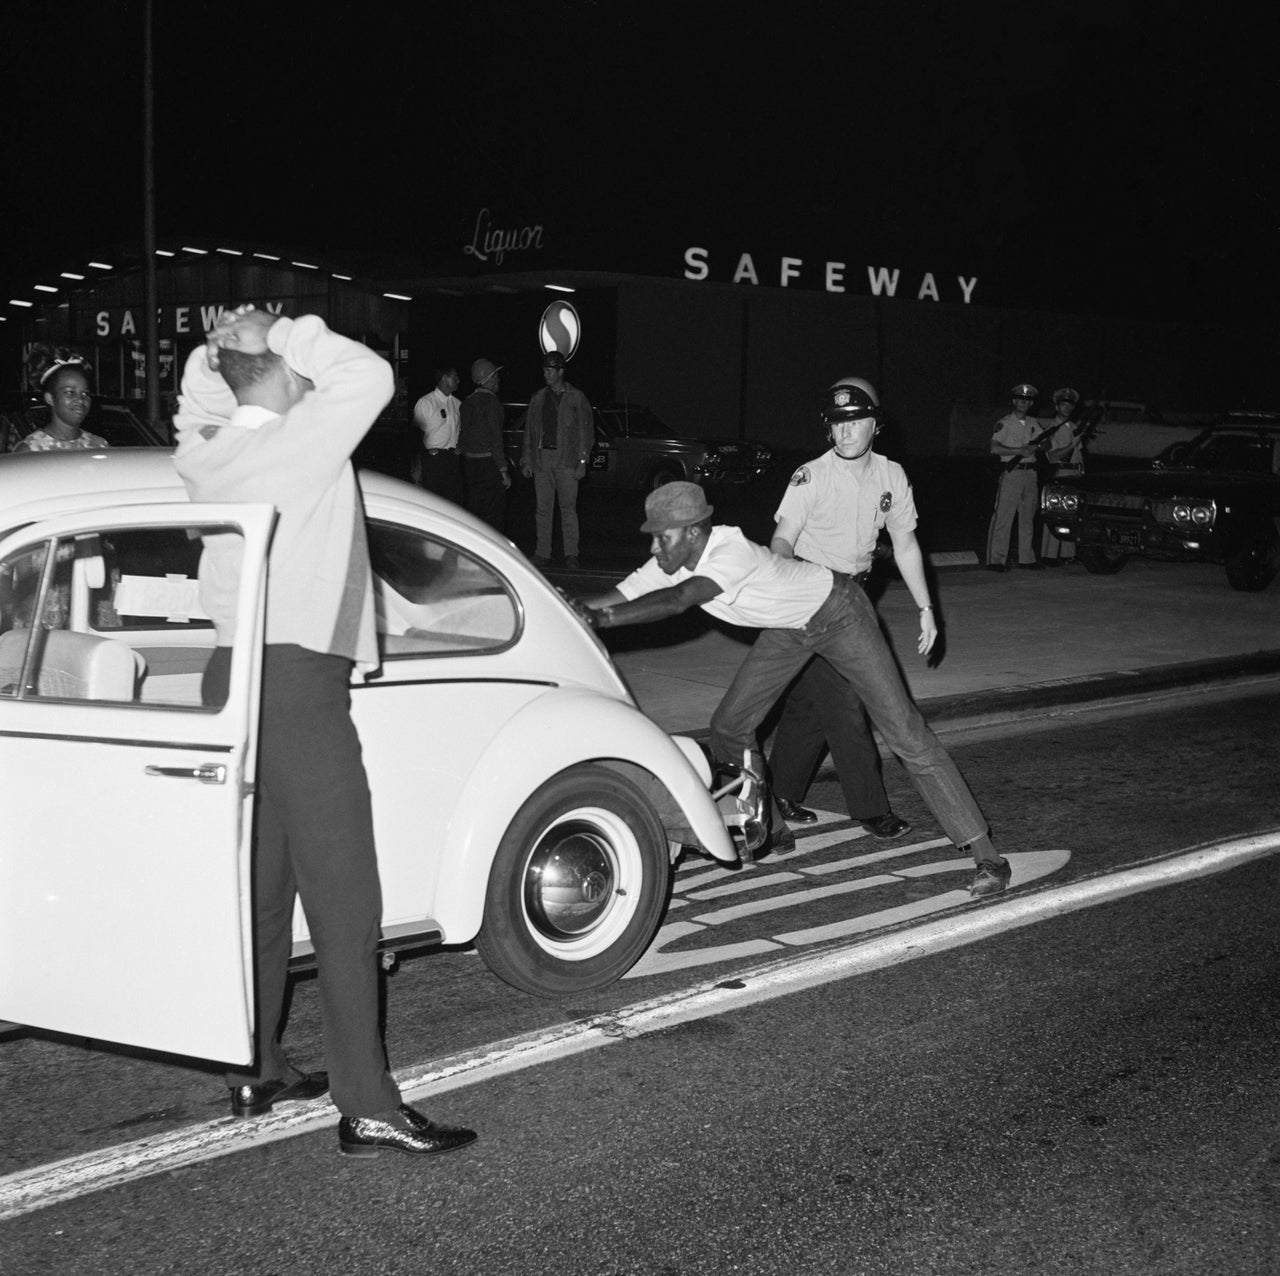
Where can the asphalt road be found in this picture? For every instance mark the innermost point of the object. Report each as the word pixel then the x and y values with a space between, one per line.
pixel 1092 1092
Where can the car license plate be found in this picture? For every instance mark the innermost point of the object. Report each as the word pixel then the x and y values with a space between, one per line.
pixel 1128 537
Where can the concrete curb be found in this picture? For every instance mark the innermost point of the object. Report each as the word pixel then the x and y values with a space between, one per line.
pixel 1008 703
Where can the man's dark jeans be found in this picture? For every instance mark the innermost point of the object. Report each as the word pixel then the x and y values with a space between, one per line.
pixel 846 632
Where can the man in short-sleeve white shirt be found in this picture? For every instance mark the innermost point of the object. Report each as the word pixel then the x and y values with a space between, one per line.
pixel 802 609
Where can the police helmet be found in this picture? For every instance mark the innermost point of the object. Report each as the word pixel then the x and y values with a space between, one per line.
pixel 1066 395
pixel 1024 391
pixel 850 399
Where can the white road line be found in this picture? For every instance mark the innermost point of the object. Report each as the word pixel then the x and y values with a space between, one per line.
pixel 875 857
pixel 794 899
pixel 752 883
pixel 30 1190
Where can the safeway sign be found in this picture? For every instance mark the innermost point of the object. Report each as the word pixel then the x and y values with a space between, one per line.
pixel 560 329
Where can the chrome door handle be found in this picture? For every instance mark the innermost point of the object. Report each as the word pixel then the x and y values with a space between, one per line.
pixel 210 773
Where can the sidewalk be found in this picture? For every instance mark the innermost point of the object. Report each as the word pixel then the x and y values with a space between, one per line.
pixel 1012 644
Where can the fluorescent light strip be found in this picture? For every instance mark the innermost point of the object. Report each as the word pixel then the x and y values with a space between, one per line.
pixel 101 265
pixel 231 252
pixel 267 256
pixel 186 248
pixel 14 301
pixel 164 252
pixel 305 265
pixel 45 288
pixel 559 287
pixel 397 296
pixel 70 274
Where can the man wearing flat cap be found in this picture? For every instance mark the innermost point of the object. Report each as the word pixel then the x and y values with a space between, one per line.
pixel 802 610
pixel 1015 441
pixel 558 433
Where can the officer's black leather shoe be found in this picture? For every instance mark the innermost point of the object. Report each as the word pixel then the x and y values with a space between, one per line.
pixel 886 826
pixel 405 1131
pixel 794 813
pixel 254 1100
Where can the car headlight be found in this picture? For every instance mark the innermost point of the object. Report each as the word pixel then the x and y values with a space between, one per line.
pixel 1185 514
pixel 1058 500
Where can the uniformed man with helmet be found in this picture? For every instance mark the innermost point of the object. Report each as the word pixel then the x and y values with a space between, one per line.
pixel 1015 441
pixel 832 513
pixel 484 459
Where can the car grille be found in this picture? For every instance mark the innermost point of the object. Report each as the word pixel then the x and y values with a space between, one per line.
pixel 1122 503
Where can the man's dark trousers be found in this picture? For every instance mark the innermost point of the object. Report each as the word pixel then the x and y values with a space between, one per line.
pixel 823 711
pixel 314 835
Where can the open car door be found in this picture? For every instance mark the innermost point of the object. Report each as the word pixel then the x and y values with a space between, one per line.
pixel 125 806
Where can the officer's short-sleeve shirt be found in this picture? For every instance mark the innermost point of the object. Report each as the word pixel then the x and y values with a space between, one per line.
pixel 758 589
pixel 1012 433
pixel 841 511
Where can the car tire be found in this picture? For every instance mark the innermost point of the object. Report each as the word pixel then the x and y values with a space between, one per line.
pixel 1252 567
pixel 578 886
pixel 661 477
pixel 1099 560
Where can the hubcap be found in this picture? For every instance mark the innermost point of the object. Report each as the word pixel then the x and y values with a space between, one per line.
pixel 571 880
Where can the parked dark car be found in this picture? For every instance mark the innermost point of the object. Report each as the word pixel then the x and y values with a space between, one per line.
pixel 1215 498
pixel 122 422
pixel 635 451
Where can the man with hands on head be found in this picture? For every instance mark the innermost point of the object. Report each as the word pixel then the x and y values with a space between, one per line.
pixel 802 610
pixel 271 411
pixel 831 513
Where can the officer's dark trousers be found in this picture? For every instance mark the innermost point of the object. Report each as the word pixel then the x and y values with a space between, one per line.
pixel 313 827
pixel 846 631
pixel 822 711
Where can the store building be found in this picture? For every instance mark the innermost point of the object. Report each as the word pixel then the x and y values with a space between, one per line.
pixel 719 339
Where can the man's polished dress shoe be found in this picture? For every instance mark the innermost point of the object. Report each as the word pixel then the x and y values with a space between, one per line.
pixel 254 1100
pixel 406 1131
pixel 886 826
pixel 794 813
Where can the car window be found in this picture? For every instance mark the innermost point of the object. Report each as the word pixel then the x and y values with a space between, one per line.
pixel 118 427
pixel 105 603
pixel 1239 452
pixel 434 599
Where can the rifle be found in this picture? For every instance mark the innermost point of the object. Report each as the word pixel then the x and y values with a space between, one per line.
pixel 1010 463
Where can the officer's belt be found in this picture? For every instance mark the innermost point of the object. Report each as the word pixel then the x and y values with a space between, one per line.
pixel 842 578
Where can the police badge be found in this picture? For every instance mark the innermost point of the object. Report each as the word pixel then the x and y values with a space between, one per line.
pixel 886 500
pixel 800 477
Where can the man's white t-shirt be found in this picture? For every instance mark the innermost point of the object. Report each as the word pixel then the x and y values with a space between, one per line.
pixel 758 589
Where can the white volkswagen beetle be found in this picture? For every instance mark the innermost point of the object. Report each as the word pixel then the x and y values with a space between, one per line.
pixel 521 799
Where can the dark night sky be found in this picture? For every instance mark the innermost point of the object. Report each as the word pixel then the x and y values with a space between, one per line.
pixel 1114 157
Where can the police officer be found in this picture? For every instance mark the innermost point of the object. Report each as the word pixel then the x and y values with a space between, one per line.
pixel 1014 441
pixel 831 514
pixel 1064 452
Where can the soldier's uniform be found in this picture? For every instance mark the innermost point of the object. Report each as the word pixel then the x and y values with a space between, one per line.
pixel 1018 490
